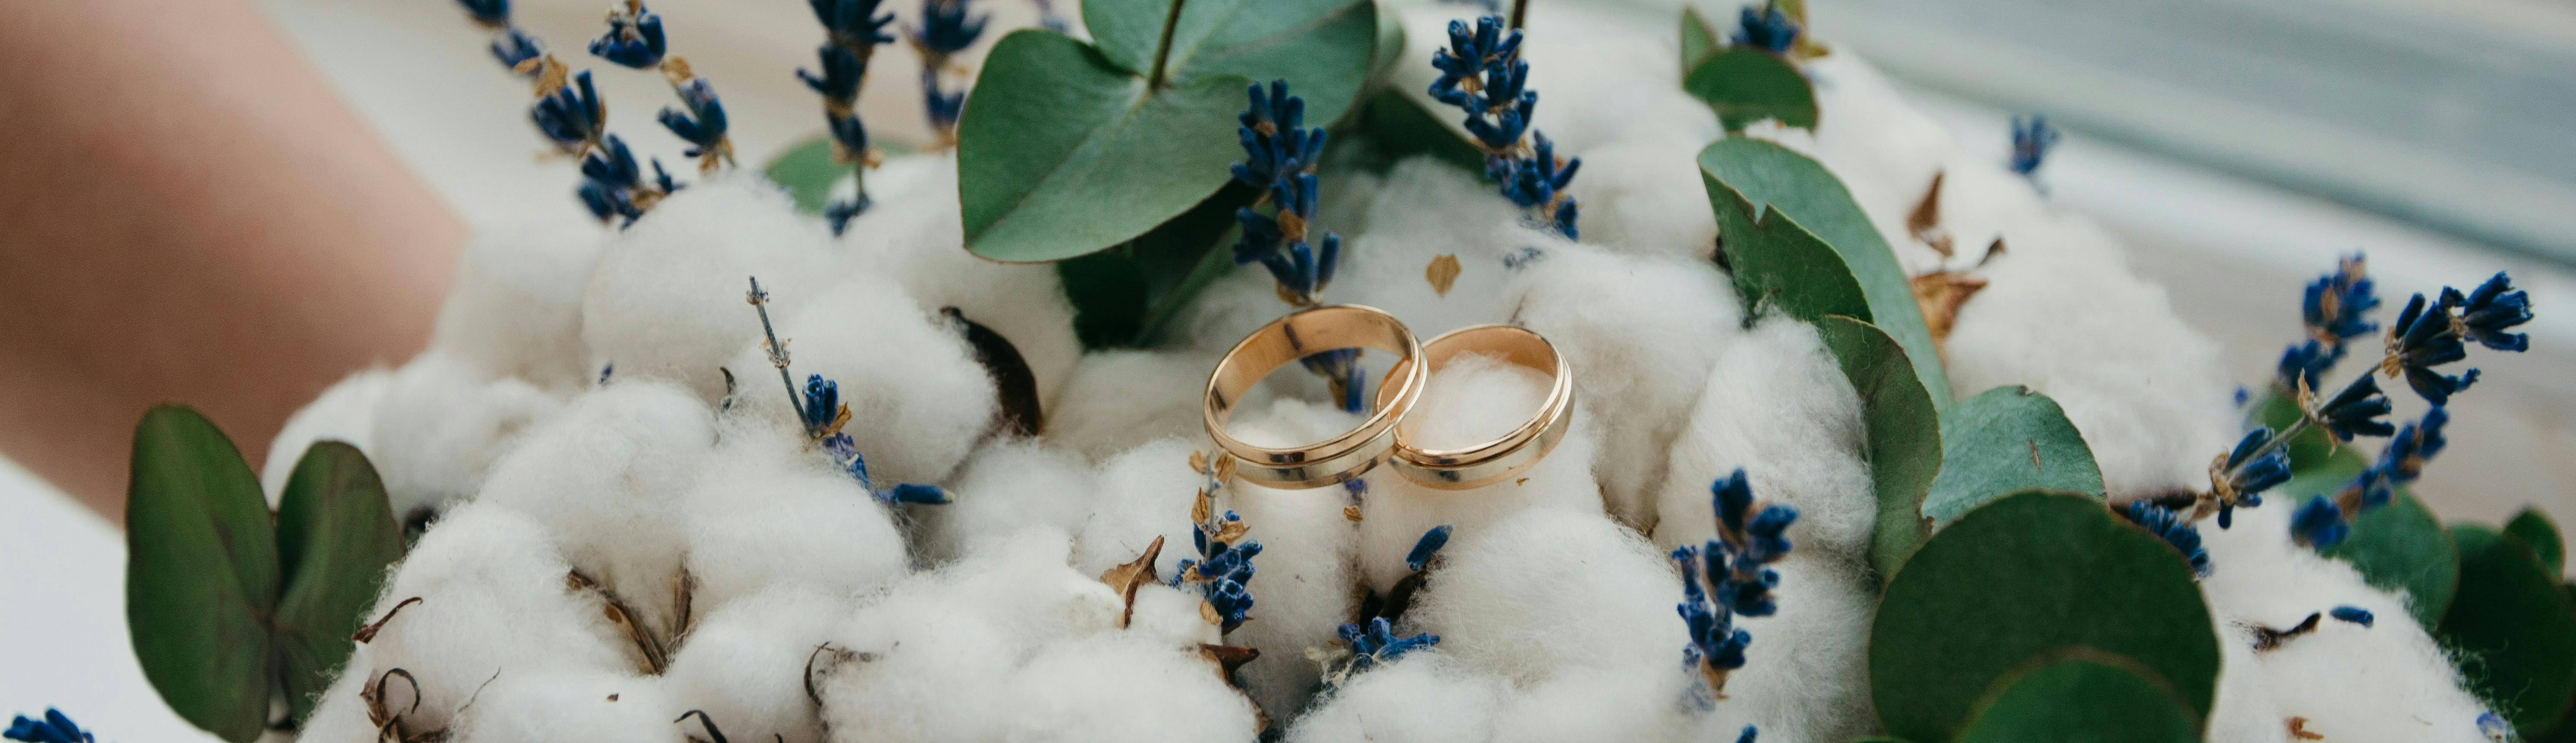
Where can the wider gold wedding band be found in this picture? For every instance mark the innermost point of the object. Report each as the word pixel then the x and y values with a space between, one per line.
pixel 1301 334
pixel 1502 458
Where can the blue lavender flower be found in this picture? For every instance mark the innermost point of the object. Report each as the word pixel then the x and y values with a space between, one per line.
pixel 491 14
pixel 1223 571
pixel 853 28
pixel 2426 337
pixel 58 728
pixel 2356 410
pixel 2174 529
pixel 703 125
pixel 1279 155
pixel 2303 363
pixel 1482 74
pixel 612 185
pixel 853 23
pixel 1733 570
pixel 843 70
pixel 1538 182
pixel 2352 614
pixel 947 28
pixel 2256 464
pixel 1426 547
pixel 2493 307
pixel 845 452
pixel 1377 644
pixel 1767 29
pixel 2031 139
pixel 1716 646
pixel 2319 523
pixel 821 410
pixel 1047 18
pixel 2324 522
pixel 515 48
pixel 572 116
pixel 1747 736
pixel 634 37
pixel 2493 727
pixel 943 107
pixel 2337 305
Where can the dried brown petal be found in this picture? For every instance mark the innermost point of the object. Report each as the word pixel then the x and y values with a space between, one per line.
pixel 1125 579
pixel 1940 294
pixel 2299 729
pixel 1924 223
pixel 1442 273
pixel 368 633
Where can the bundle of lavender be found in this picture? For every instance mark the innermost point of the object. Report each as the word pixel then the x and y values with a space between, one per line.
pixel 1869 437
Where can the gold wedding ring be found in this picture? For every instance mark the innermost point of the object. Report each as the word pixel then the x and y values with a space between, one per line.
pixel 1301 334
pixel 1502 458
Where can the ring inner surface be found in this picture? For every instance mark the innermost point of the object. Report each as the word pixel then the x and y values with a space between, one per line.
pixel 1295 337
pixel 1512 344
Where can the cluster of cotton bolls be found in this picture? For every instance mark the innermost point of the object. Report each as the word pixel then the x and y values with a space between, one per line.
pixel 626 521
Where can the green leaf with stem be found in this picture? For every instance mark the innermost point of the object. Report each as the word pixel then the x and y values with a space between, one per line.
pixel 201 574
pixel 1745 85
pixel 336 535
pixel 2003 441
pixel 1903 434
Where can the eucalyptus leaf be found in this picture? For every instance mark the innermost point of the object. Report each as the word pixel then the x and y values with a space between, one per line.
pixel 1699 39
pixel 1122 296
pixel 1403 128
pixel 2513 628
pixel 1903 432
pixel 1746 84
pixel 2023 578
pixel 2087 695
pixel 1065 149
pixel 1794 238
pixel 1389 48
pixel 201 572
pixel 2399 547
pixel 2538 533
pixel 336 534
pixel 808 172
pixel 2311 448
pixel 2003 441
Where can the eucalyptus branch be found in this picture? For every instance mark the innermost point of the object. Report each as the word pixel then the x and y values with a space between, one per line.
pixel 1163 49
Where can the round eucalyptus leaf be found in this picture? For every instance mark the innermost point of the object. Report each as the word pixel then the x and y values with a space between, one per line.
pixel 808 172
pixel 1323 48
pixel 2027 577
pixel 2513 628
pixel 2003 441
pixel 201 573
pixel 2398 547
pixel 1794 238
pixel 2541 535
pixel 1903 433
pixel 2088 696
pixel 336 535
pixel 1745 84
pixel 1699 39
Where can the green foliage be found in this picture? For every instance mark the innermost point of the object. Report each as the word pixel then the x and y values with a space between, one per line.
pixel 808 171
pixel 2007 440
pixel 2399 547
pixel 1066 150
pixel 1124 296
pixel 1699 39
pixel 2311 448
pixel 1402 128
pixel 2086 695
pixel 1904 434
pixel 2538 533
pixel 2514 627
pixel 1794 239
pixel 228 605
pixel 2026 578
pixel 1745 85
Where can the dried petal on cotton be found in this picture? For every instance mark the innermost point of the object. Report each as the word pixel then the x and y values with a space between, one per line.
pixel 1008 484
pixel 516 308
pixel 1425 698
pixel 493 600
pixel 345 412
pixel 918 401
pixel 744 664
pixel 1119 400
pixel 606 476
pixel 1641 334
pixel 439 426
pixel 666 301
pixel 576 707
pixel 1548 590
pixel 1475 398
pixel 1778 406
pixel 769 510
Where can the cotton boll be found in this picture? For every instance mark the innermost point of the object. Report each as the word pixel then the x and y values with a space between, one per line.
pixel 1172 616
pixel 2244 711
pixel 345 412
pixel 1304 586
pixel 1118 400
pixel 493 601
pixel 1009 484
pixel 340 715
pixel 1598 706
pixel 918 401
pixel 2062 314
pixel 666 301
pixel 576 708
pixel 1777 405
pixel 606 476
pixel 516 308
pixel 1806 674
pixel 1145 493
pixel 1641 334
pixel 1127 689
pixel 769 510
pixel 916 238
pixel 1642 196
pixel 1426 697
pixel 1883 149
pixel 1031 593
pixel 913 669
pixel 1473 399
pixel 744 664
pixel 1548 590
pixel 439 426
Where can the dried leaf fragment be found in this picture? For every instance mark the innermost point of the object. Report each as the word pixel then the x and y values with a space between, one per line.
pixel 2299 729
pixel 1924 223
pixel 1125 579
pixel 1940 294
pixel 1442 273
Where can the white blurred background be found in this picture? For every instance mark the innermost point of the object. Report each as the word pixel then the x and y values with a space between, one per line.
pixel 2238 146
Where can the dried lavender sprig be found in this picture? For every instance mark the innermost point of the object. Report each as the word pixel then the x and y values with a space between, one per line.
pixel 635 39
pixel 1482 74
pixel 1728 576
pixel 852 30
pixel 947 28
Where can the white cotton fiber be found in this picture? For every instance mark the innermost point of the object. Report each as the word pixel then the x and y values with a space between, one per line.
pixel 1777 405
pixel 1127 689
pixel 1642 196
pixel 914 237
pixel 1641 334
pixel 744 664
pixel 1806 674
pixel 1028 590
pixel 917 670
pixel 769 510
pixel 340 714
pixel 2062 314
pixel 1145 492
pixel 1118 400
pixel 1474 399
pixel 1548 590
pixel 667 299
pixel 345 412
pixel 516 308
pixel 1008 484
pixel 493 603
pixel 1303 586
pixel 606 477
pixel 1174 617
pixel 1883 149
pixel 2386 682
pixel 1425 697
pixel 1590 705
pixel 577 707
pixel 918 401
pixel 441 423
pixel 2244 711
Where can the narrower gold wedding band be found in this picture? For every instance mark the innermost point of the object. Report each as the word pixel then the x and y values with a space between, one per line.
pixel 1301 334
pixel 1502 458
